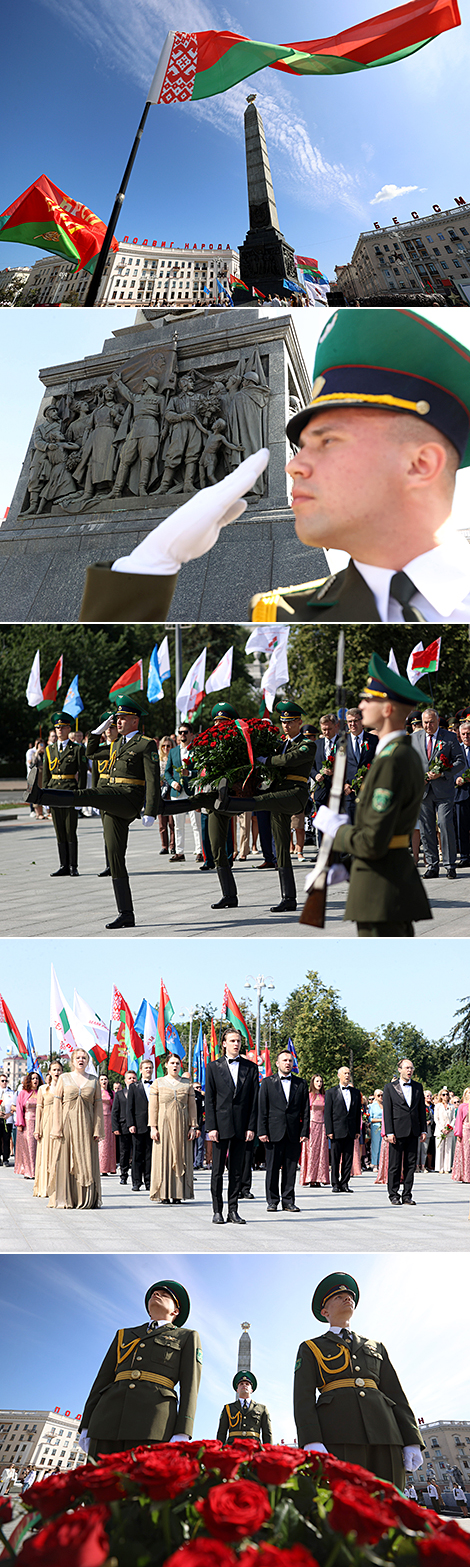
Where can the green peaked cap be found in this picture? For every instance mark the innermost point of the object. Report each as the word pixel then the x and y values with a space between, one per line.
pixel 392 359
pixel 385 682
pixel 287 709
pixel 224 710
pixel 333 1284
pixel 248 1376
pixel 179 1294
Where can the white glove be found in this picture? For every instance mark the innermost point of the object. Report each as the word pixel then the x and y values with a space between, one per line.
pixel 148 821
pixel 315 1447
pixel 412 1458
pixel 180 1438
pixel 329 822
pixel 195 527
pixel 101 727
pixel 84 1441
pixel 336 874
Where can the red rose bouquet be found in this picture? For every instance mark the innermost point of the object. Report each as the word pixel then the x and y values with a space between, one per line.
pixel 440 763
pixel 358 780
pixel 235 750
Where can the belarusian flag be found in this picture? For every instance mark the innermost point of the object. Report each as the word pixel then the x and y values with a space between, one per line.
pixel 258 293
pixel 191 692
pixel 99 1030
pixel 237 283
pixel 426 660
pixel 132 680
pixel 268 1072
pixel 165 1014
pixel 52 684
pixel 127 1041
pixel 233 1015
pixel 44 216
pixel 7 1018
pixel 214 1042
pixel 199 65
pixel 35 695
pixel 61 1017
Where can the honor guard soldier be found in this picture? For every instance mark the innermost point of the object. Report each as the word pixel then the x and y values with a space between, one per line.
pixel 379 446
pixel 244 1418
pixel 220 831
pixel 101 764
pixel 287 797
pixel 64 766
pixel 133 1399
pixel 362 1415
pixel 385 890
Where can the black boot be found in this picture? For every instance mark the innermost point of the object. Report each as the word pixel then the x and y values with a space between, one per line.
pixel 122 893
pixel 288 902
pixel 231 805
pixel 228 884
pixel 73 858
pixel 63 861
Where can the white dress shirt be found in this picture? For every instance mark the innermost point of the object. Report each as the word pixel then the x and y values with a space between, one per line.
pixel 233 1067
pixel 346 1092
pixel 442 578
pixel 406 1090
pixel 286 1085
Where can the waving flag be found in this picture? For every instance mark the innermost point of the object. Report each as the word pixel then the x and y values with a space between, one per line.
pixel 72 701
pixel 7 1018
pixel 276 674
pixel 233 1015
pixel 191 692
pixel 222 675
pixel 199 1069
pixel 61 1015
pixel 165 1014
pixel 127 1041
pixel 425 661
pixel 98 1048
pixel 132 680
pixel 164 660
pixel 199 65
pixel 155 691
pixel 173 1042
pixel 214 1042
pixel 44 216
pixel 33 1065
pixel 290 1047
pixel 34 687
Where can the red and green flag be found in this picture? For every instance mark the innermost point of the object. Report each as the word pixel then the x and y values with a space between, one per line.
pixel 232 1014
pixel 127 1043
pixel 45 216
pixel 214 1042
pixel 258 293
pixel 199 65
pixel 7 1018
pixel 425 661
pixel 165 1014
pixel 132 680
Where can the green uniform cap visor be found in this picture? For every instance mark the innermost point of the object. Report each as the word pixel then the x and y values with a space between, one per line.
pixel 287 709
pixel 334 1284
pixel 224 710
pixel 384 682
pixel 127 705
pixel 179 1294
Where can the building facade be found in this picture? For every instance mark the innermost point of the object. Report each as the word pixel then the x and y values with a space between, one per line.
pixel 150 274
pixel 12 280
pixel 430 254
pixel 446 1458
pixel 38 1439
pixel 54 281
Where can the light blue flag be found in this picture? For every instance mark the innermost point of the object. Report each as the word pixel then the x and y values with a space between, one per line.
pixel 32 1057
pixel 155 691
pixel 199 1070
pixel 173 1042
pixel 72 702
pixel 139 1020
pixel 206 290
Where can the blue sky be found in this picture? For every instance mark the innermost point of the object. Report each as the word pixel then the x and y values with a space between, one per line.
pixel 431 981
pixel 74 82
pixel 61 1314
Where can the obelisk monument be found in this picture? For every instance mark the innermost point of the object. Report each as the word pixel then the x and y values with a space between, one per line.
pixel 266 259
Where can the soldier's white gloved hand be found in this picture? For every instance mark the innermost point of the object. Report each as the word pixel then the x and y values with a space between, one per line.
pixel 101 727
pixel 84 1441
pixel 315 1447
pixel 328 821
pixel 148 821
pixel 337 874
pixel 180 1438
pixel 412 1458
pixel 195 527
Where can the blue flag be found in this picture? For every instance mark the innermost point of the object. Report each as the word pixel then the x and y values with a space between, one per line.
pixel 290 1047
pixel 154 685
pixel 199 1070
pixel 293 288
pixel 32 1057
pixel 206 290
pixel 173 1042
pixel 72 702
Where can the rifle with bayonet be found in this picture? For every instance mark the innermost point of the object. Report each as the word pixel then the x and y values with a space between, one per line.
pixel 313 912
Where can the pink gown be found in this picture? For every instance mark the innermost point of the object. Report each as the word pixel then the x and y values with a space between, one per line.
pixel 314 1157
pixel 107 1144
pixel 26 1145
pixel 461 1166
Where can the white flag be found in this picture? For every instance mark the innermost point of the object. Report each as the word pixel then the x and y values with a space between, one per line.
pixel 392 663
pixel 85 1015
pixel 164 660
pixel 265 638
pixel 276 674
pixel 414 674
pixel 222 675
pixel 34 688
pixel 70 1031
pixel 193 686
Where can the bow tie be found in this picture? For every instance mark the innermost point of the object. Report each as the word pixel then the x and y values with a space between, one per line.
pixel 285 1078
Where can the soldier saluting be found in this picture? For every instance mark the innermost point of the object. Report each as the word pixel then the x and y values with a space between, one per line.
pixel 133 1399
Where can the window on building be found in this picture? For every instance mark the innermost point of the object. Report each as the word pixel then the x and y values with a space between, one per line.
pixel 449 249
pixel 457 263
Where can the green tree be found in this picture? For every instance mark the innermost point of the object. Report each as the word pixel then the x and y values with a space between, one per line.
pixel 312 662
pixel 324 1037
pixel 431 1059
pixel 378 1065
pixel 459 1037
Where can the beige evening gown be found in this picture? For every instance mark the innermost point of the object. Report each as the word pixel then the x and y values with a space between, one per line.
pixel 172 1109
pixel 43 1133
pixel 75 1180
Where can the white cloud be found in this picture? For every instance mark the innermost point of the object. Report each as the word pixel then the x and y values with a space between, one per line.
pixel 390 192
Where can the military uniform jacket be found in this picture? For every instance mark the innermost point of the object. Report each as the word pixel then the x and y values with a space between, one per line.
pixel 134 767
pixel 385 884
pixel 342 597
pixel 123 596
pixel 360 1414
pixel 236 1422
pixel 137 1410
pixel 64 769
pixel 294 763
pixel 101 763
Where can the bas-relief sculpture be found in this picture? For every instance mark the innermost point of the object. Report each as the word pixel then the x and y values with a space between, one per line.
pixel 169 433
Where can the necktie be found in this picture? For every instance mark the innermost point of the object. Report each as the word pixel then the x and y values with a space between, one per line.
pixel 402 589
pixel 429 747
pixel 357 748
pixel 345 1335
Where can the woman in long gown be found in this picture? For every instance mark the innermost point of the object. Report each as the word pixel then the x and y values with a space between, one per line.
pixel 314 1166
pixel 375 1118
pixel 77 1125
pixel 26 1105
pixel 173 1128
pixel 107 1147
pixel 461 1167
pixel 43 1130
pixel 442 1117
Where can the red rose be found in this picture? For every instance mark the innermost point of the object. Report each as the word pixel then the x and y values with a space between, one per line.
pixel 227 1462
pixel 5 1512
pixel 57 1493
pixel 414 1516
pixel 272 1556
pixel 203 1553
pixel 336 1468
pixel 275 1464
pixel 161 1479
pixel 439 1549
pixel 234 1510
pixel 354 1510
pixel 79 1539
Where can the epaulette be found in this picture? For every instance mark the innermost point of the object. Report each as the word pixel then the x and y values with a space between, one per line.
pixel 264 605
pixel 388 749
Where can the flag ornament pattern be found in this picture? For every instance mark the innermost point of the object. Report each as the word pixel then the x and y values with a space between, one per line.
pixel 127 1041
pixel 233 1015
pixel 203 64
pixel 426 660
pixel 45 216
pixel 7 1018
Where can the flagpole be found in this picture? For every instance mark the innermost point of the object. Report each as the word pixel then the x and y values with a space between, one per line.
pixel 178 669
pixel 50 1045
pixel 108 1050
pixel 154 93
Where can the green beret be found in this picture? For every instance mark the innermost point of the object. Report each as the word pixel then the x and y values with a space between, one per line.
pixel 246 1376
pixel 384 682
pixel 288 709
pixel 180 1295
pixel 392 359
pixel 334 1284
pixel 224 710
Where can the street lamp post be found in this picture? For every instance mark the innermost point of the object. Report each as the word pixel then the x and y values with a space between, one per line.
pixel 259 984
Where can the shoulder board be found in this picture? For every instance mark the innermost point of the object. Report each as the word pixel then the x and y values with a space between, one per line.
pixel 264 605
pixel 388 749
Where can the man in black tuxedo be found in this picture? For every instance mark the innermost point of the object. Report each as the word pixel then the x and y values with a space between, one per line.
pixel 342 1124
pixel 283 1124
pixel 232 1087
pixel 360 752
pixel 119 1125
pixel 138 1125
pixel 405 1124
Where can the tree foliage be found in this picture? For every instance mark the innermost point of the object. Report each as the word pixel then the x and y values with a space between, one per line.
pixel 312 663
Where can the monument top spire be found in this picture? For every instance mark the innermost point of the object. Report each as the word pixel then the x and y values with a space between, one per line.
pixel 244 1349
pixel 261 198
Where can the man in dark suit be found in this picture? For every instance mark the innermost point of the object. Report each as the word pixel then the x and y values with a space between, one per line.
pixel 231 1104
pixel 326 748
pixel 360 752
pixel 342 1124
pixel 405 1124
pixel 120 1127
pixel 462 796
pixel 432 743
pixel 283 1124
pixel 138 1125
pixel 179 772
